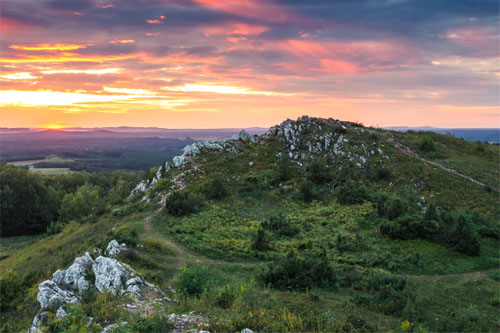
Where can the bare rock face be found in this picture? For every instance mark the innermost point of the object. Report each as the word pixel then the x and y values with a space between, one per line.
pixel 75 276
pixel 243 135
pixel 65 285
pixel 50 295
pixel 109 273
pixel 113 249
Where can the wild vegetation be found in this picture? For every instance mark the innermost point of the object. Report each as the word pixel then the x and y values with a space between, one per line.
pixel 259 238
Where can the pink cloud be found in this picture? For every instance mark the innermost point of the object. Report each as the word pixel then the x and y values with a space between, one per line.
pixel 477 38
pixel 236 32
pixel 261 9
pixel 345 58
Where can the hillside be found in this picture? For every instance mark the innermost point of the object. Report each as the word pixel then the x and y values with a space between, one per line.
pixel 316 225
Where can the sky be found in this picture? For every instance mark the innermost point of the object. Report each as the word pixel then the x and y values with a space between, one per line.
pixel 226 63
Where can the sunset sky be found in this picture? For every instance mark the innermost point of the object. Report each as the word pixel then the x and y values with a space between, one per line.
pixel 225 63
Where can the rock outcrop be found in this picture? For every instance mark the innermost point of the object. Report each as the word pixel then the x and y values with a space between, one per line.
pixel 65 287
pixel 114 248
pixel 301 140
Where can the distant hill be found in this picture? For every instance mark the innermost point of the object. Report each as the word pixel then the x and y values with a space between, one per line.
pixel 471 134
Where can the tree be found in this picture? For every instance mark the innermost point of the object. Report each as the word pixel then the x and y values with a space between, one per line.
pixel 84 202
pixel 28 206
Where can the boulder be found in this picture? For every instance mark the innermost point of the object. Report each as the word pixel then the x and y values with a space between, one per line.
pixel 61 313
pixel 246 330
pixel 38 322
pixel 244 135
pixel 114 248
pixel 51 296
pixel 75 276
pixel 109 274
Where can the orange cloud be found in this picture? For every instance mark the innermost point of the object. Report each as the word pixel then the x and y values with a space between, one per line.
pixel 154 21
pixel 18 76
pixel 65 57
pixel 122 41
pixel 49 47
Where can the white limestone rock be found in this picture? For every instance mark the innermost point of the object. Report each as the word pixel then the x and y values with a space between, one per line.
pixel 113 249
pixel 111 327
pixel 50 295
pixel 38 322
pixel 244 135
pixel 61 313
pixel 109 274
pixel 246 330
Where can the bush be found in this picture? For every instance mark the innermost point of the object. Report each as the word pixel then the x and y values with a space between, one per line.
pixel 351 193
pixel 280 225
pixel 426 144
pixel 391 208
pixel 307 192
pixel 318 172
pixel 410 226
pixel 215 188
pixel 382 173
pixel 11 290
pixel 286 170
pixel 193 281
pixel 299 273
pixel 225 297
pixel 261 240
pixel 466 238
pixel 181 203
pixel 152 324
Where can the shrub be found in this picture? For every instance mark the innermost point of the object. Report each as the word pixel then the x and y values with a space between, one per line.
pixel 299 273
pixel 391 208
pixel 426 144
pixel 410 226
pixel 11 290
pixel 307 192
pixel 193 281
pixel 382 173
pixel 467 239
pixel 225 297
pixel 181 203
pixel 318 172
pixel 286 170
pixel 351 193
pixel 280 225
pixel 261 240
pixel 157 323
pixel 215 188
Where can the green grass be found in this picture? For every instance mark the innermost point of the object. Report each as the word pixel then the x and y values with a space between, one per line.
pixel 445 289
pixel 52 171
pixel 10 245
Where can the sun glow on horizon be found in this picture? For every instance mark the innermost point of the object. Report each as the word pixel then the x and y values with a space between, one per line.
pixel 54 126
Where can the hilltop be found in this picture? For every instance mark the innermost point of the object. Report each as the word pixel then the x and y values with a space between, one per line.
pixel 315 225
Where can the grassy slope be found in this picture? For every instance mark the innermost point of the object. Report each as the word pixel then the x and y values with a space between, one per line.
pixel 220 237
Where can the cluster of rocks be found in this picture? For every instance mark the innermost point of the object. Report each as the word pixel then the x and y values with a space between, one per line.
pixel 66 286
pixel 308 137
pixel 189 152
pixel 302 140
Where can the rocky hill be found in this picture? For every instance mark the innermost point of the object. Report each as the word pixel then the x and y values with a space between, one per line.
pixel 315 225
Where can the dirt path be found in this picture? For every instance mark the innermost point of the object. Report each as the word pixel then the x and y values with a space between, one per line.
pixel 462 275
pixel 406 150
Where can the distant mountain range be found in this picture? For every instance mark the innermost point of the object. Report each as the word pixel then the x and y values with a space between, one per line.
pixel 472 134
